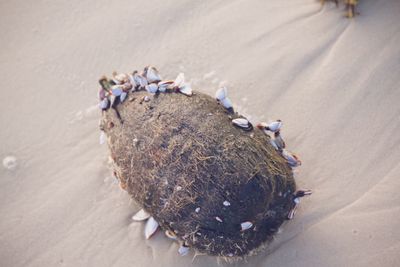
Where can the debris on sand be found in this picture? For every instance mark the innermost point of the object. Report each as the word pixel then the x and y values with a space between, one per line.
pixel 10 163
pixel 197 152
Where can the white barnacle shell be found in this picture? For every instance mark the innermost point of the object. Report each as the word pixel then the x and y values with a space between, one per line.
pixel 104 103
pixel 221 93
pixel 151 227
pixel 241 122
pixel 226 102
pixel 226 203
pixel 186 89
pixel 116 90
pixel 218 219
pixel 197 210
pixel 179 81
pixel 292 213
pixel 246 225
pixel 152 88
pixel 140 80
pixel 278 140
pixel 183 250
pixel 164 85
pixel 291 158
pixel 152 75
pixel 272 141
pixel 133 82
pixel 275 126
pixel 123 96
pixel 141 215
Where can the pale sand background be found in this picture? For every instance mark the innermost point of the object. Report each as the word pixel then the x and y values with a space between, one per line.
pixel 334 82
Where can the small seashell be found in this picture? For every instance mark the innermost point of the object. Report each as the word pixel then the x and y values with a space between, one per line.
pixel 139 80
pixel 127 86
pixel 104 104
pixel 162 88
pixel 152 75
pixel 170 234
pixel 152 88
pixel 141 215
pixel 123 96
pixel 113 98
pixel 291 158
pixel 226 102
pixel 303 192
pixel 178 188
pixel 116 90
pixel 146 99
pixel 183 250
pixel 186 90
pixel 226 203
pixel 274 126
pixel 221 93
pixel 246 225
pixel 278 140
pixel 296 200
pixel 10 162
pixel 133 82
pixel 243 124
pixel 179 81
pixel 151 227
pixel 292 213
pixel 197 210
pixel 218 219
pixel 164 85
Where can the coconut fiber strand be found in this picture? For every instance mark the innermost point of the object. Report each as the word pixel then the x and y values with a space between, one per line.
pixel 180 158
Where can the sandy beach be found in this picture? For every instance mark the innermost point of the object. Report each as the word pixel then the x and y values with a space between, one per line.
pixel 333 81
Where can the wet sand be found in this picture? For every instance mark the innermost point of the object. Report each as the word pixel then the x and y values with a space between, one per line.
pixel 334 82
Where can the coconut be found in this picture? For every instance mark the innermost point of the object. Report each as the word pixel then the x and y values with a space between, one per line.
pixel 182 160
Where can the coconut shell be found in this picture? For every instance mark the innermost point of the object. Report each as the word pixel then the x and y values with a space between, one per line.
pixel 181 159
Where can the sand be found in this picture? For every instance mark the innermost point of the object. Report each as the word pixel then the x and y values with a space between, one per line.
pixel 334 82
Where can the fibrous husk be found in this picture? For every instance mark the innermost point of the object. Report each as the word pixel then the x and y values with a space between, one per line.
pixel 182 160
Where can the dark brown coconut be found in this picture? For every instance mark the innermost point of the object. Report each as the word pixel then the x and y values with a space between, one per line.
pixel 176 155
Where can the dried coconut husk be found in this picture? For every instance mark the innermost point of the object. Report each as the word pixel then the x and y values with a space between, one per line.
pixel 181 158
